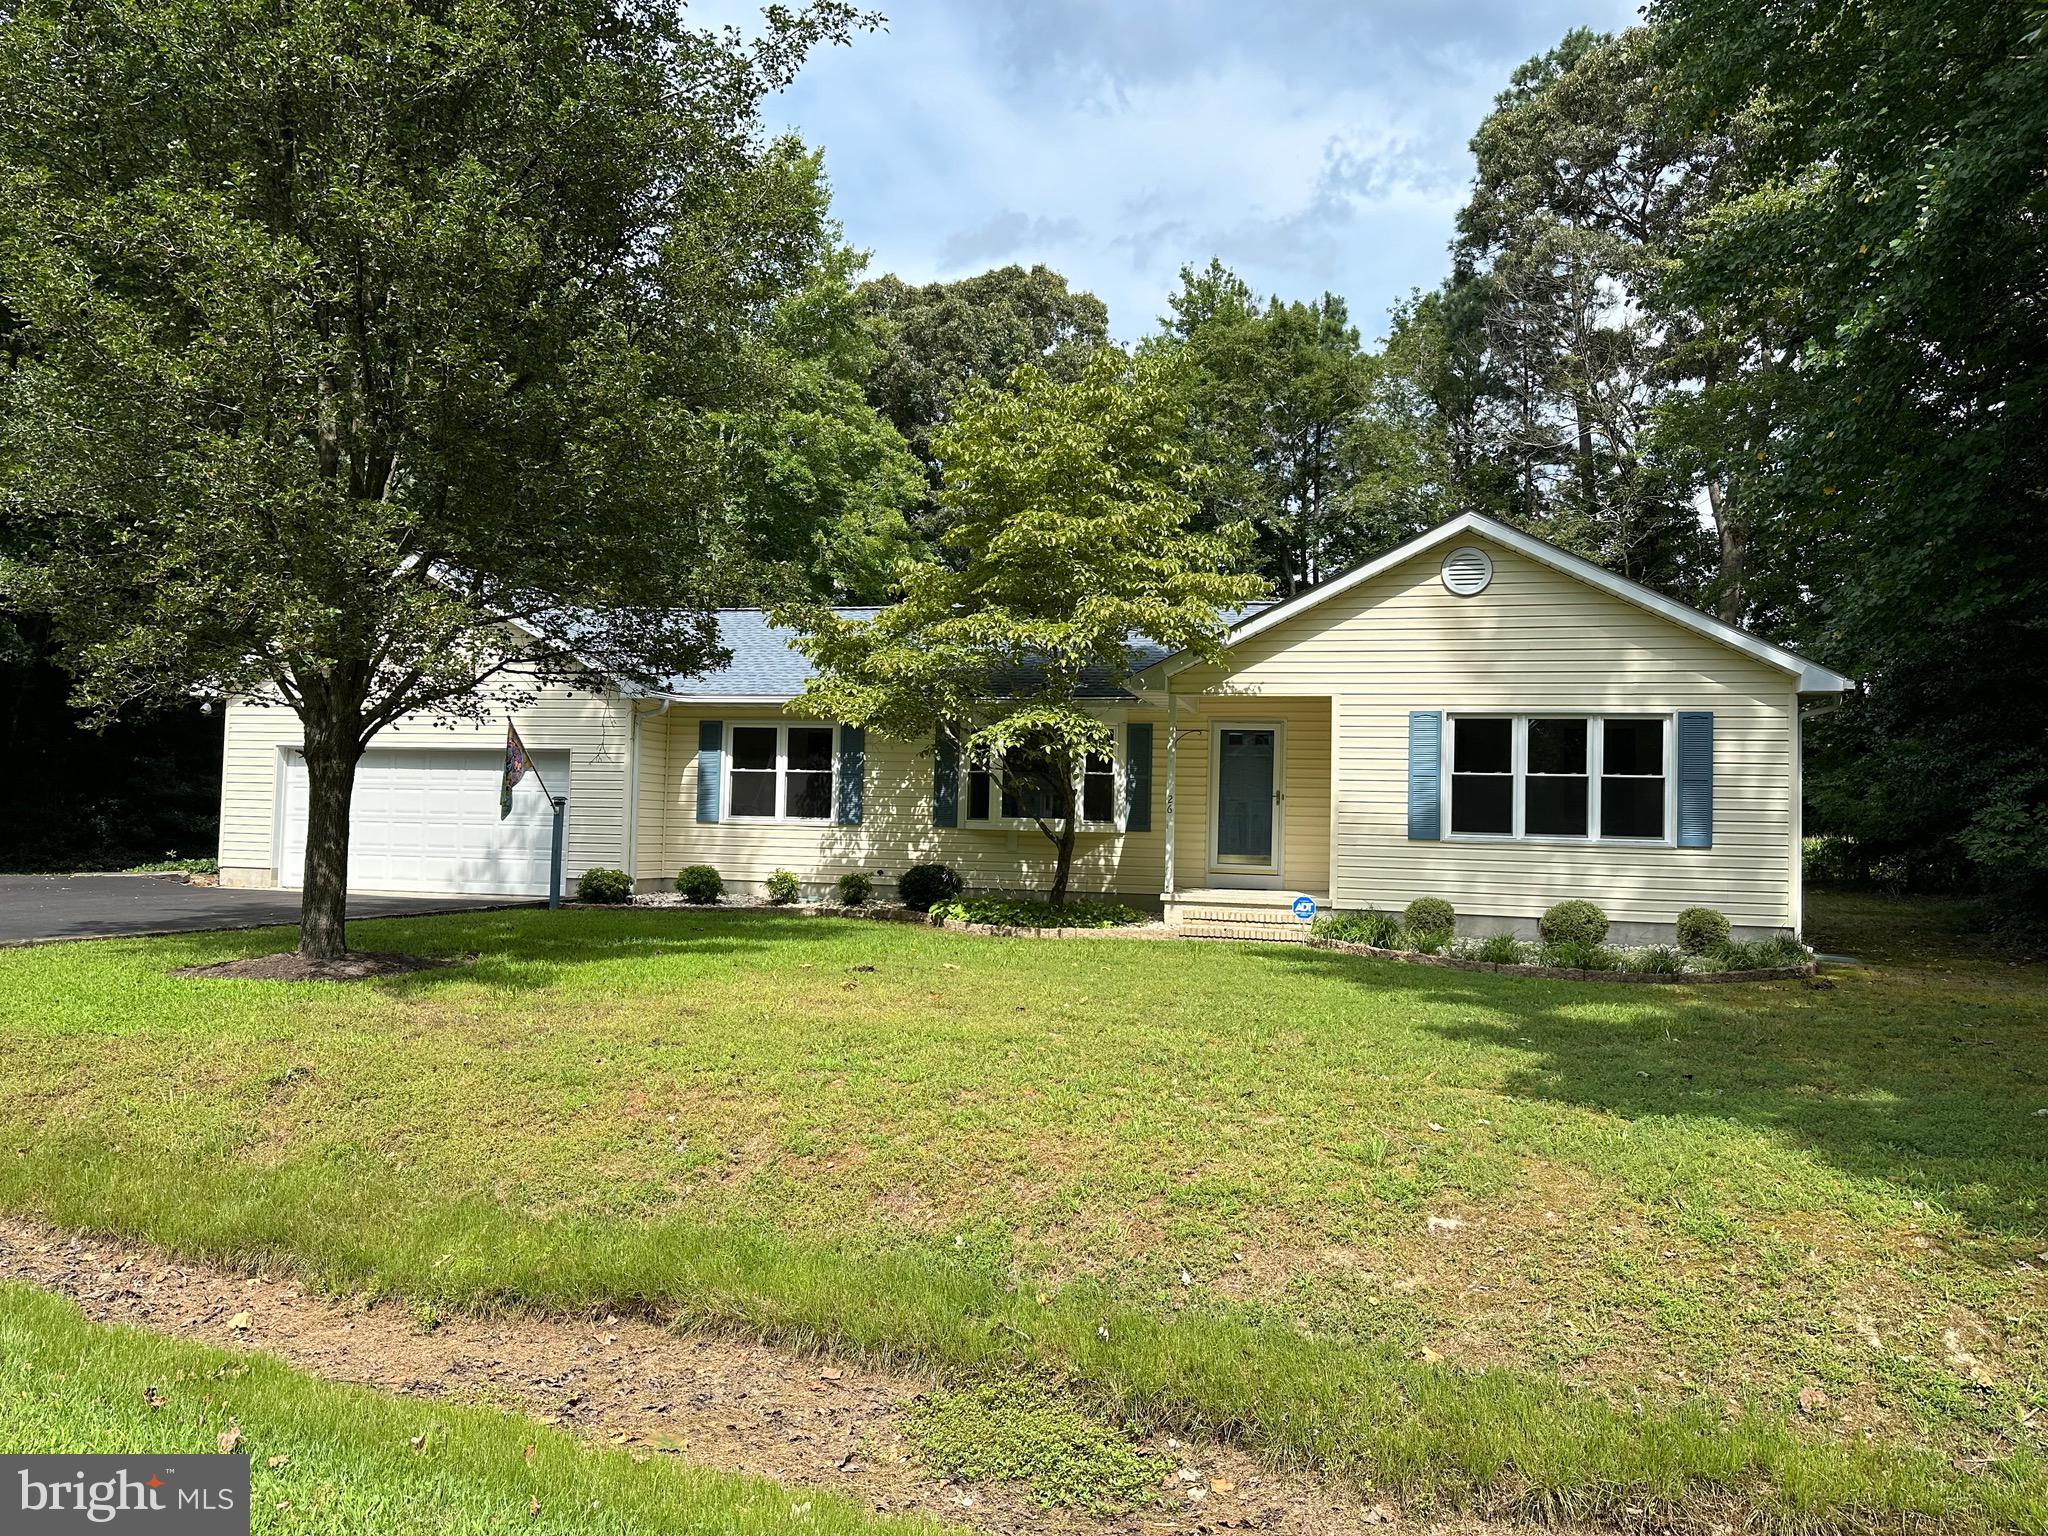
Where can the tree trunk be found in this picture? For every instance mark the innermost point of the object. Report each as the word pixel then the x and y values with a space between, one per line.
pixel 1589 478
pixel 332 751
pixel 1063 845
pixel 1734 552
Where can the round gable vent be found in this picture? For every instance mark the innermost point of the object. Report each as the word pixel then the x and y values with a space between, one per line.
pixel 1467 571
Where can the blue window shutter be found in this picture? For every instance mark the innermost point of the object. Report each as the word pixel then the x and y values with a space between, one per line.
pixel 1696 779
pixel 1425 775
pixel 853 771
pixel 1138 777
pixel 710 767
pixel 946 783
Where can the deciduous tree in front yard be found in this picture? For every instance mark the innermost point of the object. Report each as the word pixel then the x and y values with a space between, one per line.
pixel 367 352
pixel 1068 534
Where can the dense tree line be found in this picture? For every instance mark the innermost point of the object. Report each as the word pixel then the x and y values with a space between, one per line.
pixel 1747 305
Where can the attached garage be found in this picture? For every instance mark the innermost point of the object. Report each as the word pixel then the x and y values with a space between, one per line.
pixel 426 819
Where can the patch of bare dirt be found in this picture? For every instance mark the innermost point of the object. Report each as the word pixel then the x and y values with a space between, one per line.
pixel 356 965
pixel 804 1420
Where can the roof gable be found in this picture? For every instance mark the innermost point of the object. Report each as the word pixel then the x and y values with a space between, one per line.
pixel 1811 677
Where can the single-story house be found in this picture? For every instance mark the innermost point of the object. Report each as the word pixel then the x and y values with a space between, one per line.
pixel 1474 715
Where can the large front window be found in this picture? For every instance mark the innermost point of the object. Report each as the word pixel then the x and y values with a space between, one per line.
pixel 1565 777
pixel 781 772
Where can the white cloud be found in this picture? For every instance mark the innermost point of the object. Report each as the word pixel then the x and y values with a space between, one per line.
pixel 1311 144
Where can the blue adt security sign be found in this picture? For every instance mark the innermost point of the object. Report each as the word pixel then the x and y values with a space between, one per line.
pixel 1305 908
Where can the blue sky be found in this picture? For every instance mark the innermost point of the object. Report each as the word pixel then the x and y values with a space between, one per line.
pixel 1311 144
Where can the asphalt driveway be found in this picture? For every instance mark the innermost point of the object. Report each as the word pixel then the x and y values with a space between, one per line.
pixel 104 906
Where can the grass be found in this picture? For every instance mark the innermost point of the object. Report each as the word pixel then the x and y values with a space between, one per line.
pixel 1662 1222
pixel 337 1460
pixel 1018 1431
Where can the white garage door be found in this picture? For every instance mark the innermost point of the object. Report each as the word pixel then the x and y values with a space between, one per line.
pixel 427 820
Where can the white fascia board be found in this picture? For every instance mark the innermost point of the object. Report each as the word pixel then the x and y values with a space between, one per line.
pixel 1813 678
pixel 750 699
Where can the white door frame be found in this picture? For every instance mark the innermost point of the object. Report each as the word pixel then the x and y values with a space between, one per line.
pixel 1243 876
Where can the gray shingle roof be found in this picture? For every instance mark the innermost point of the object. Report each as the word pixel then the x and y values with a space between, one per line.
pixel 765 666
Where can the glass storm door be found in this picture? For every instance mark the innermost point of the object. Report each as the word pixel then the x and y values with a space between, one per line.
pixel 1246 809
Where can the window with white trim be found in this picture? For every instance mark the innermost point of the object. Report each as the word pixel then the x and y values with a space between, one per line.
pixel 1569 778
pixel 780 771
pixel 1029 789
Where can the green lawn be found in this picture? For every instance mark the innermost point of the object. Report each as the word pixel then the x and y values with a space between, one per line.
pixel 1524 1244
pixel 337 1461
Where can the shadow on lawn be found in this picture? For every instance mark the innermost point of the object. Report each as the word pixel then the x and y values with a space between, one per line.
pixel 531 949
pixel 1927 1096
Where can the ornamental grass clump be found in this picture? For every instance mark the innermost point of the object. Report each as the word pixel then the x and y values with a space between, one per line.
pixel 1579 955
pixel 1377 930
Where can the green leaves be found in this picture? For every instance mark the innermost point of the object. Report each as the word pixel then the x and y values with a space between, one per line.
pixel 349 334
pixel 1067 538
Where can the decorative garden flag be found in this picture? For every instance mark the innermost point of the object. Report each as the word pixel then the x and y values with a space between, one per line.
pixel 516 765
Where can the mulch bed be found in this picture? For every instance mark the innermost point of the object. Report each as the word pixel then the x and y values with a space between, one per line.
pixel 1563 973
pixel 356 965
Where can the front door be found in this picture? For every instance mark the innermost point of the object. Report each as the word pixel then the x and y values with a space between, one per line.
pixel 1245 819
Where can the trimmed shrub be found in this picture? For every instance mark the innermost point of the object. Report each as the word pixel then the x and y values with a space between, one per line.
pixel 1580 954
pixel 1430 914
pixel 700 884
pixel 924 886
pixel 1658 960
pixel 1022 912
pixel 855 887
pixel 1573 922
pixel 1700 929
pixel 783 887
pixel 608 887
pixel 1500 949
pixel 1381 930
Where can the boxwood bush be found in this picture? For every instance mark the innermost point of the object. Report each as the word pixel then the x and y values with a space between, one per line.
pixel 1430 914
pixel 784 887
pixel 607 887
pixel 924 886
pixel 1573 922
pixel 700 884
pixel 1701 929
pixel 855 887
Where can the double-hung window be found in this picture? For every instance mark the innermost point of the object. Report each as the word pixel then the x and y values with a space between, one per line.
pixel 1028 789
pixel 780 772
pixel 1566 778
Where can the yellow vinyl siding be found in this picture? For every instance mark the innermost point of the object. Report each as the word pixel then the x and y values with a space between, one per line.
pixel 1305 783
pixel 1534 640
pixel 896 830
pixel 591 728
